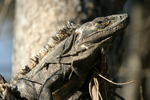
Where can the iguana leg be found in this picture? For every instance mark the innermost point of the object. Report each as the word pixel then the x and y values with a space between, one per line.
pixel 53 83
pixel 46 94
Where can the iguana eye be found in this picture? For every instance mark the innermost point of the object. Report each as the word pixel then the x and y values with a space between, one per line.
pixel 120 17
pixel 99 22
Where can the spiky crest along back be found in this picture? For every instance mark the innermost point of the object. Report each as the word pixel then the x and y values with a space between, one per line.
pixel 60 35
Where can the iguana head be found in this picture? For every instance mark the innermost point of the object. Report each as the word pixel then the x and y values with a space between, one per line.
pixel 101 28
pixel 92 37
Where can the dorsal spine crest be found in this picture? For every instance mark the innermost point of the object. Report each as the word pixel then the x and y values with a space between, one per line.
pixel 61 34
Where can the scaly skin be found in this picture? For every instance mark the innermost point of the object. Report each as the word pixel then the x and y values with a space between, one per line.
pixel 64 70
pixel 59 36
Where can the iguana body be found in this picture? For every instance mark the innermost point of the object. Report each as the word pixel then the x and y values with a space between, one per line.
pixel 65 69
pixel 59 36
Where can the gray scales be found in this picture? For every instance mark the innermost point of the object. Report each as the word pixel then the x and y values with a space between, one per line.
pixel 64 70
pixel 60 35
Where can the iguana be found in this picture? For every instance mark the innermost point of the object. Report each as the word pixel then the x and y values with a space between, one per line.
pixel 64 70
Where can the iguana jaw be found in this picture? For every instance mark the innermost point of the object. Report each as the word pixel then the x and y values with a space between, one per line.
pixel 103 27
